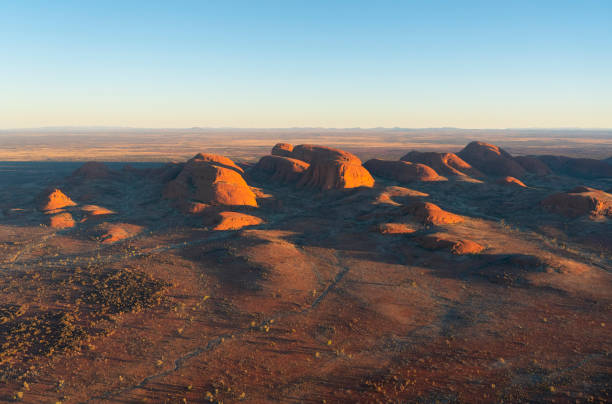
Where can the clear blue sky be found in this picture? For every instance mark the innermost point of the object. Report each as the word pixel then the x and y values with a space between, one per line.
pixel 471 64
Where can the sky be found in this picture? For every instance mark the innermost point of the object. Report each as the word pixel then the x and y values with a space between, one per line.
pixel 292 63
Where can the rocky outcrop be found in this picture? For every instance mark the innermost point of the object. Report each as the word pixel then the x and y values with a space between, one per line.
pixel 282 149
pixel 54 199
pixel 580 201
pixel 443 163
pixel 282 169
pixel 331 168
pixel 491 160
pixel 212 180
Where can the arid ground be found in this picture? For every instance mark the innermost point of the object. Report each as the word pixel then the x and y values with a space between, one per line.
pixel 308 275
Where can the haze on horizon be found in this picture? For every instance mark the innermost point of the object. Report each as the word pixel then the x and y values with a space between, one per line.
pixel 275 64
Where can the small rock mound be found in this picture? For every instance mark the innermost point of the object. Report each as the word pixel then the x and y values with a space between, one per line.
pixel 282 149
pixel 235 221
pixel 431 214
pixel 331 168
pixel 282 169
pixel 61 221
pixel 580 201
pixel 95 210
pixel 442 241
pixel 533 165
pixel 53 200
pixel 394 228
pixel 93 170
pixel 443 163
pixel 511 181
pixel 109 233
pixel 491 160
pixel 210 180
pixel 402 171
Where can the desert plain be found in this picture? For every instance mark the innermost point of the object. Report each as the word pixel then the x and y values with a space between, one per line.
pixel 305 266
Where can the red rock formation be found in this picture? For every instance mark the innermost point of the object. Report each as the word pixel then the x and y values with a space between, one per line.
pixel 53 200
pixel 431 214
pixel 443 163
pixel 533 165
pixel 442 241
pixel 283 169
pixel 217 160
pixel 331 168
pixel 61 221
pixel 491 160
pixel 235 221
pixel 402 171
pixel 211 181
pixel 282 149
pixel 511 181
pixel 580 201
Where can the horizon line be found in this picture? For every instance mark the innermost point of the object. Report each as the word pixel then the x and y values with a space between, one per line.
pixel 113 127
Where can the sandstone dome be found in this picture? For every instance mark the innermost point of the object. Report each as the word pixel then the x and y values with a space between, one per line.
pixel 213 180
pixel 491 160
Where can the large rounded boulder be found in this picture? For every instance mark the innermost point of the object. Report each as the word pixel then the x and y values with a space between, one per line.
pixel 282 169
pixel 331 168
pixel 213 180
pixel 491 160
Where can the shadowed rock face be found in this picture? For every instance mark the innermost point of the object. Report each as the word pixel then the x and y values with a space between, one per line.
pixel 54 199
pixel 402 171
pixel 331 168
pixel 491 160
pixel 282 169
pixel 511 181
pixel 213 180
pixel 578 167
pixel 282 149
pixel 443 163
pixel 533 165
pixel 580 201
